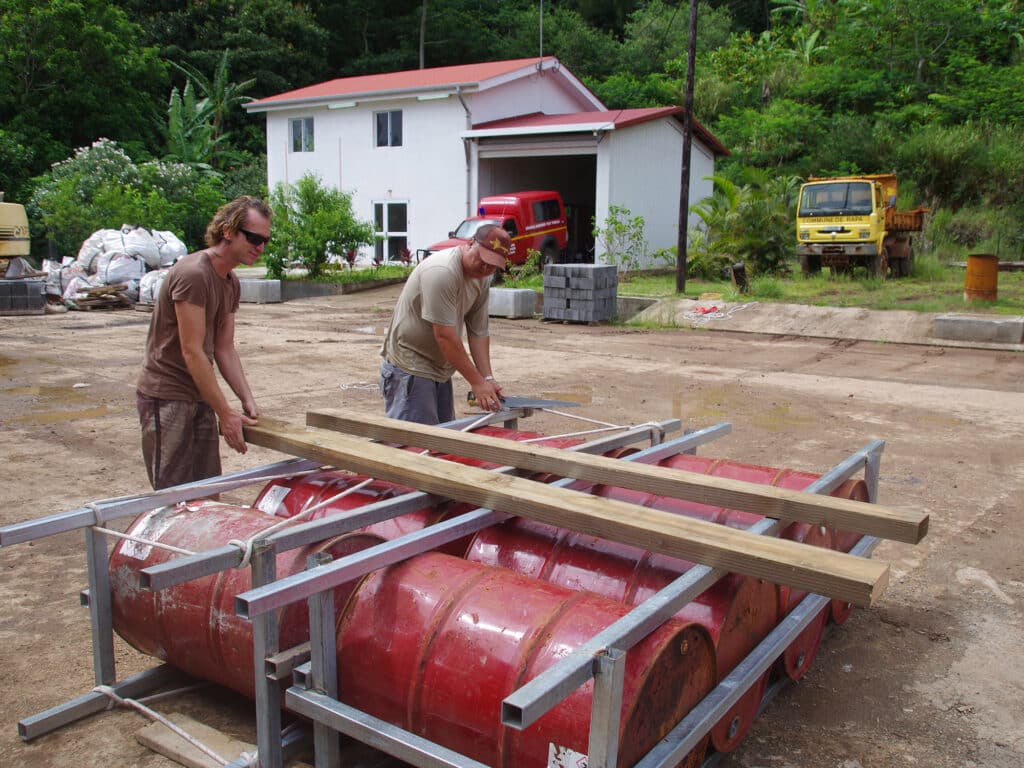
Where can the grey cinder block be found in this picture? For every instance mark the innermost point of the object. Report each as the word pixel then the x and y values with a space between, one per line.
pixel 511 302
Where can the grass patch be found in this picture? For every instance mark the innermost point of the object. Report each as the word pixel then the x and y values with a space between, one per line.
pixel 934 287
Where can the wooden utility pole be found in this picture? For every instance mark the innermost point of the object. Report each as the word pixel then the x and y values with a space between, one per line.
pixel 423 33
pixel 684 181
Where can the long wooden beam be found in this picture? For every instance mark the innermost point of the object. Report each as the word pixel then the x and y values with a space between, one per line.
pixel 823 571
pixel 780 503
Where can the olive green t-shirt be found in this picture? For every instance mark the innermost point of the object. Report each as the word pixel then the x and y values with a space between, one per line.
pixel 436 293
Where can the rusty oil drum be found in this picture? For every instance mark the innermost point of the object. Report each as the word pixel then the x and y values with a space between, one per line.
pixel 193 626
pixel 799 655
pixel 288 497
pixel 737 612
pixel 434 644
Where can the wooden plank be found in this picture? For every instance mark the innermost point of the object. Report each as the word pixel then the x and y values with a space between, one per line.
pixel 823 571
pixel 844 514
pixel 166 742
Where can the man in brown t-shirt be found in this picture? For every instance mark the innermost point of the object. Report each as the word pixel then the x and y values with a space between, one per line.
pixel 423 347
pixel 179 400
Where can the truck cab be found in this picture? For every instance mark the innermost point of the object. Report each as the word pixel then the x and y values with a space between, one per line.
pixel 535 220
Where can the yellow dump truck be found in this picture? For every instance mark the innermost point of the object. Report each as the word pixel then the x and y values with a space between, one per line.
pixel 844 222
pixel 14 240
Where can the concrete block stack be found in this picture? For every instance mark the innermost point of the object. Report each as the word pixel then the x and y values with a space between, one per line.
pixel 580 293
pixel 23 296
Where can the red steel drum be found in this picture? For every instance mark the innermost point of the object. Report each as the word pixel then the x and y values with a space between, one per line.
pixel 738 611
pixel 799 655
pixel 287 497
pixel 434 644
pixel 193 626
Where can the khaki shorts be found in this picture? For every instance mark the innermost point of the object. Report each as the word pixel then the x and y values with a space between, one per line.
pixel 180 441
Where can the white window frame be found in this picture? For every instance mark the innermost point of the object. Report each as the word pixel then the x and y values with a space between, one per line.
pixel 301 128
pixel 382 249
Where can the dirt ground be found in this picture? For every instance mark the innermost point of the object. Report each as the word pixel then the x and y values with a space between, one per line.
pixel 933 676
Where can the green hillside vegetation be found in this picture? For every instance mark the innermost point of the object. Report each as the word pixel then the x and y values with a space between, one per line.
pixel 929 89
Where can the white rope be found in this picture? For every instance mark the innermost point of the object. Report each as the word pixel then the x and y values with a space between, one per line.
pixel 176 692
pixel 106 690
pixel 140 540
pixel 581 418
pixel 97 513
pixel 702 318
pixel 611 428
pixel 572 434
pixel 246 545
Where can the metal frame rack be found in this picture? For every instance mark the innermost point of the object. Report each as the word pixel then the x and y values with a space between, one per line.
pixel 312 666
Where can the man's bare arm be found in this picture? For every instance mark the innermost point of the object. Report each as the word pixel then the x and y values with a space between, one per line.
pixel 191 331
pixel 454 351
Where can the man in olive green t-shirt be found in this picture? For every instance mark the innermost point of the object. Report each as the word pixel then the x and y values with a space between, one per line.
pixel 423 347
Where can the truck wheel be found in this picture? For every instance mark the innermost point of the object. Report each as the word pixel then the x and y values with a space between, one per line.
pixel 880 266
pixel 905 264
pixel 549 254
pixel 810 264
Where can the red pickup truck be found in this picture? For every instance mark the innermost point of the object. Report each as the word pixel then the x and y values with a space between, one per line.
pixel 534 219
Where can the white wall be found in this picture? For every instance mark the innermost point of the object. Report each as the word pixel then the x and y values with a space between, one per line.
pixel 540 92
pixel 428 171
pixel 639 169
pixel 636 167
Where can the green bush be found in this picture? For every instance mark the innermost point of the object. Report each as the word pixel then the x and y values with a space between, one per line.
pixel 311 222
pixel 523 275
pixel 750 221
pixel 623 240
pixel 975 229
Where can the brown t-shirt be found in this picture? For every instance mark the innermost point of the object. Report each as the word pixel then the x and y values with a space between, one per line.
pixel 436 293
pixel 193 279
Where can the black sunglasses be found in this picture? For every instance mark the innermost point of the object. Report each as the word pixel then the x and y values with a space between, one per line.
pixel 254 238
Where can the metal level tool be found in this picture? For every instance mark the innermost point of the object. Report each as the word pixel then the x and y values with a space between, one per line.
pixel 524 402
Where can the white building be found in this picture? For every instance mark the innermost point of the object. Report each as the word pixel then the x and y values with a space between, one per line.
pixel 417 149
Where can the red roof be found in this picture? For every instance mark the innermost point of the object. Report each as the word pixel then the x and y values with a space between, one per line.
pixel 618 118
pixel 413 79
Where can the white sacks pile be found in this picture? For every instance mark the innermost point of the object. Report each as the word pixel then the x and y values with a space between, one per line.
pixel 149 286
pixel 115 256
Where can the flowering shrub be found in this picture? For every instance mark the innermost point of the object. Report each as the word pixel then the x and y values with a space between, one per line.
pixel 101 187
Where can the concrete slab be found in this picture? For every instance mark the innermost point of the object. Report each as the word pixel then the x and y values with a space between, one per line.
pixel 996 330
pixel 259 291
pixel 892 326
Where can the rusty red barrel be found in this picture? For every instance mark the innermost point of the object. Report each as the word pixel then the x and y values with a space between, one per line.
pixel 193 625
pixel 287 497
pixel 799 655
pixel 435 643
pixel 737 612
pixel 290 496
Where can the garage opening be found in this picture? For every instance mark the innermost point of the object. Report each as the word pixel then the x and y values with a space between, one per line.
pixel 573 176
